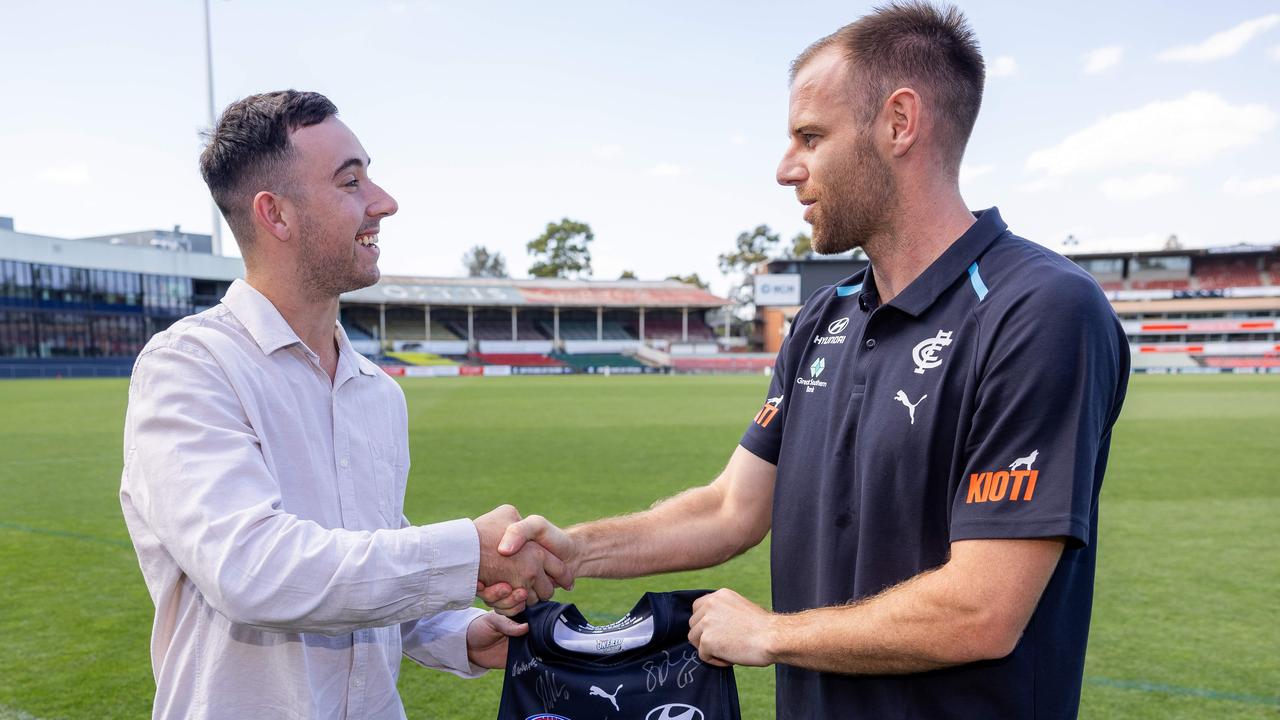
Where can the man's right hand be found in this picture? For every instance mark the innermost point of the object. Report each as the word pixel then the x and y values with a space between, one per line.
pixel 520 574
pixel 534 531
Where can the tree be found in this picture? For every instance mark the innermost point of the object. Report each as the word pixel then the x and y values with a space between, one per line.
pixel 627 275
pixel 801 245
pixel 691 279
pixel 482 263
pixel 562 250
pixel 751 249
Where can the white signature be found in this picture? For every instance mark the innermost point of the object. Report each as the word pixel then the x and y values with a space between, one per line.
pixel 521 668
pixel 550 690
pixel 656 673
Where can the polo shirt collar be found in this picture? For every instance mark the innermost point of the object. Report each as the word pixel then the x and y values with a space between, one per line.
pixel 952 264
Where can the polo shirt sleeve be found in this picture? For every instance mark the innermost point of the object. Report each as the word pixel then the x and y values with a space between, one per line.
pixel 763 437
pixel 1049 390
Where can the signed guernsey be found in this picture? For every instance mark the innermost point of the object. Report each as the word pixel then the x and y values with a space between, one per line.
pixel 641 667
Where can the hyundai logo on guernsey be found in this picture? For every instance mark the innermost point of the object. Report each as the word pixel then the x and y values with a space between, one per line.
pixel 812 382
pixel 546 716
pixel 835 333
pixel 1011 485
pixel 675 711
pixel 925 354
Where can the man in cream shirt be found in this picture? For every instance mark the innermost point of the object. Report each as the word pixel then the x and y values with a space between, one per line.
pixel 265 461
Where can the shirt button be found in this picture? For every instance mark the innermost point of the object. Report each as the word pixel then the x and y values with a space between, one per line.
pixel 871 343
pixel 344 462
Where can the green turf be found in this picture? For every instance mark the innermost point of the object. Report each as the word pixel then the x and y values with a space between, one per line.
pixel 1185 618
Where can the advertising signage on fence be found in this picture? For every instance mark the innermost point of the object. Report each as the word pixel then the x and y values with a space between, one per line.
pixel 777 289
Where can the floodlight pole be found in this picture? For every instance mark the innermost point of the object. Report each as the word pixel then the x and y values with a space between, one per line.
pixel 208 64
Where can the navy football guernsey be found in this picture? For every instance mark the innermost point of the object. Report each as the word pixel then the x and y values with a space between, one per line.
pixel 641 667
pixel 976 404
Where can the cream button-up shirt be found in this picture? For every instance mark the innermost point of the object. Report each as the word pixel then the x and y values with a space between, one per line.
pixel 265 504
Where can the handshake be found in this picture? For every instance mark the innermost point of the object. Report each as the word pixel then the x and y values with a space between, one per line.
pixel 522 560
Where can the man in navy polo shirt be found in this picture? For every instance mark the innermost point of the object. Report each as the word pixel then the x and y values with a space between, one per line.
pixel 933 442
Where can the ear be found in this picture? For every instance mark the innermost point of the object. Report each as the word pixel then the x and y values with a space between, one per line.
pixel 271 215
pixel 905 111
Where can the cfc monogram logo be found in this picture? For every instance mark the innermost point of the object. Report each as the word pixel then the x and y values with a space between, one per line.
pixel 1012 483
pixel 925 354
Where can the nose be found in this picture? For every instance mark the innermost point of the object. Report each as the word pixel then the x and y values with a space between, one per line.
pixel 791 171
pixel 384 205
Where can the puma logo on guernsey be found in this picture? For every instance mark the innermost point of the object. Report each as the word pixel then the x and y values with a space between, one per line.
pixel 1011 485
pixel 600 693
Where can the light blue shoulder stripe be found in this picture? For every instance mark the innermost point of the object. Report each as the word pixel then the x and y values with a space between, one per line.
pixel 975 279
pixel 846 291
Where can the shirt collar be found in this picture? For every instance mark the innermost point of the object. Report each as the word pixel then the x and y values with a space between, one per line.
pixel 255 312
pixel 952 264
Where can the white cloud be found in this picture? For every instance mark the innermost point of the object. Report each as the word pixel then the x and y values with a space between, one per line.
pixel 666 170
pixel 1002 66
pixel 969 173
pixel 1101 59
pixel 1141 186
pixel 607 152
pixel 1040 185
pixel 1174 133
pixel 73 174
pixel 1274 53
pixel 1252 187
pixel 1223 44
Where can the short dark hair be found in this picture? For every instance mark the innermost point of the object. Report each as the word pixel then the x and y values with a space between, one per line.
pixel 249 146
pixel 914 43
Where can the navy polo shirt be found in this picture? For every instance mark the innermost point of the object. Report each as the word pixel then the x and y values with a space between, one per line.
pixel 978 403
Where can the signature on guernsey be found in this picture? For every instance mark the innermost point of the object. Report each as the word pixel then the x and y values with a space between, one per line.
pixel 521 668
pixel 657 672
pixel 550 690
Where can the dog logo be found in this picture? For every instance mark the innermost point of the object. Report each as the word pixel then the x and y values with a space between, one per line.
pixel 911 407
pixel 598 692
pixel 1027 461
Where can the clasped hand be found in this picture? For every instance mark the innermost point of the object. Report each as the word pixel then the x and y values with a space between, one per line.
pixel 515 573
pixel 531 543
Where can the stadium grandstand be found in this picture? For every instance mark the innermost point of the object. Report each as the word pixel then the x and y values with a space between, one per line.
pixel 1205 310
pixel 85 307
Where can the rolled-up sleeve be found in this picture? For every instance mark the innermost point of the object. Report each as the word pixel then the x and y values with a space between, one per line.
pixel 196 473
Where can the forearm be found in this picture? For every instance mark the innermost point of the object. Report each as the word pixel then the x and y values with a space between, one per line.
pixel 689 531
pixel 975 607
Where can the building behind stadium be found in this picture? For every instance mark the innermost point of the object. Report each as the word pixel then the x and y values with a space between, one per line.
pixel 85 307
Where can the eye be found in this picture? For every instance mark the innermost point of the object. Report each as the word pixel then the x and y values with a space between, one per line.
pixel 354 183
pixel 809 139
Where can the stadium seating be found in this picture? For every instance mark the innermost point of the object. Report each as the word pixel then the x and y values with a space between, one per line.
pixel 517 359
pixel 672 329
pixel 495 329
pixel 1162 284
pixel 732 362
pixel 598 360
pixel 586 330
pixel 420 358
pixel 1219 273
pixel 1243 362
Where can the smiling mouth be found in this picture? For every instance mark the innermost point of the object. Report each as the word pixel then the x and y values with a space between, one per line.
pixel 368 239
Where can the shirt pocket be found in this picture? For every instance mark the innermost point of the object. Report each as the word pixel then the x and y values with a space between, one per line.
pixel 389 481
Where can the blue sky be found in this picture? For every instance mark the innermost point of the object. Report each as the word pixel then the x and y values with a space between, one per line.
pixel 658 123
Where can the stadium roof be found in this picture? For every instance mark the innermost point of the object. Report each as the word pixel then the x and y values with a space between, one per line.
pixel 504 292
pixel 1238 249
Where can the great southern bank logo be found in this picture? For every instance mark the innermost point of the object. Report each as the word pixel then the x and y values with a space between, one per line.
pixel 812 382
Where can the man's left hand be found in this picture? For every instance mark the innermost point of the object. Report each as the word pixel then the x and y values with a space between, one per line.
pixel 729 629
pixel 487 639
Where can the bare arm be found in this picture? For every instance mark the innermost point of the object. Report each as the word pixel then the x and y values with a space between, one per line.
pixel 698 528
pixel 974 607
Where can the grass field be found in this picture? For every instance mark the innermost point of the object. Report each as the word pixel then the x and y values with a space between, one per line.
pixel 1186 620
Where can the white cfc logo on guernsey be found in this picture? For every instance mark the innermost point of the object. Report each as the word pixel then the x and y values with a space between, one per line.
pixel 925 355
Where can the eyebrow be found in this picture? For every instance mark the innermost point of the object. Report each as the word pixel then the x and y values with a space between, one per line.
pixel 352 162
